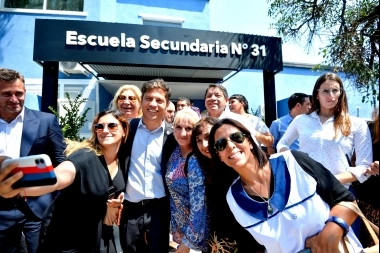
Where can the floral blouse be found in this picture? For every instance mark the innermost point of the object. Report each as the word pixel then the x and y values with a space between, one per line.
pixel 188 207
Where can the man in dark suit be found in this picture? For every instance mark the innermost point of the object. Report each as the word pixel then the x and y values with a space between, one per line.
pixel 145 219
pixel 24 132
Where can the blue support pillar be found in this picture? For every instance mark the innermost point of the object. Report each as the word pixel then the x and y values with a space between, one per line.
pixel 269 97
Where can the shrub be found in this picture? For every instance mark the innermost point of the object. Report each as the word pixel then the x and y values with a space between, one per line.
pixel 73 120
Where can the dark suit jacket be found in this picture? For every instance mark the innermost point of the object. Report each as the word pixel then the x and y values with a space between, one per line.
pixel 41 134
pixel 168 147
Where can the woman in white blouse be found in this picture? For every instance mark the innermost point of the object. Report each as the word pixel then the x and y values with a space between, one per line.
pixel 329 135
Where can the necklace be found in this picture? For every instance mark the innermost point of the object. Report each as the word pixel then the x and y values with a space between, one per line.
pixel 269 206
pixel 325 117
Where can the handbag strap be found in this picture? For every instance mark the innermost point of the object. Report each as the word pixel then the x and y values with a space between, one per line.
pixel 372 228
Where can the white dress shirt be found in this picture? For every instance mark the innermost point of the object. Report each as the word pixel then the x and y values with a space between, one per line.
pixel 144 176
pixel 10 136
pixel 316 139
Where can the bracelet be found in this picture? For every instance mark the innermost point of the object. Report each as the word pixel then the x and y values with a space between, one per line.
pixel 340 222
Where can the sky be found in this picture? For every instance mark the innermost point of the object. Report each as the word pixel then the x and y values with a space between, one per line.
pixel 251 17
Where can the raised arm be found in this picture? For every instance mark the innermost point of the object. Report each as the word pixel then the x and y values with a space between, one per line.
pixel 65 173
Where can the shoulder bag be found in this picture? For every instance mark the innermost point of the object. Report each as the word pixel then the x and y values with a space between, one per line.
pixel 372 229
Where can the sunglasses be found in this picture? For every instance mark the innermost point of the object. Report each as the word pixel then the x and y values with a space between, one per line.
pixel 112 127
pixel 123 98
pixel 221 144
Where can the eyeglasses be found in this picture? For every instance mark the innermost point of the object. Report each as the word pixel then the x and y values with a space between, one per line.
pixel 112 127
pixel 123 98
pixel 187 129
pixel 221 144
pixel 327 92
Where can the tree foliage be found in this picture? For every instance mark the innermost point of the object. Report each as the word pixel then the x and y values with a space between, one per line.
pixel 73 120
pixel 61 5
pixel 348 29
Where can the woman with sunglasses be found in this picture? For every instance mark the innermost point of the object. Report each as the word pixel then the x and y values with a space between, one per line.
pixel 288 202
pixel 186 184
pixel 225 232
pixel 91 189
pixel 127 100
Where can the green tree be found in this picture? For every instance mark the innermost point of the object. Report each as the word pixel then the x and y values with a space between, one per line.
pixel 349 29
pixel 73 120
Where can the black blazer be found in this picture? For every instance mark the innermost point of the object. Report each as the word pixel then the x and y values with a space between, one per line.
pixel 126 149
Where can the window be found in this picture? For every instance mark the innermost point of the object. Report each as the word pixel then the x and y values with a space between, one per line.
pixel 158 20
pixel 58 5
pixel 157 23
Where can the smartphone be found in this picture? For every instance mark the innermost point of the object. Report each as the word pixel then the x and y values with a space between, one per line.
pixel 37 169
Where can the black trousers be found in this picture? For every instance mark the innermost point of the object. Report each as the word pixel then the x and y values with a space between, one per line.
pixel 144 226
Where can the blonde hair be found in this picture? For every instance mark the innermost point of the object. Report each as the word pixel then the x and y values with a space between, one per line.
pixel 114 105
pixel 186 113
pixel 93 144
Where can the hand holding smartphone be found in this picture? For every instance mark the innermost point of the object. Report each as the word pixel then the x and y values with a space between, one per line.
pixel 37 170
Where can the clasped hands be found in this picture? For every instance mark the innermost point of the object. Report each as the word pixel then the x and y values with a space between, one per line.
pixel 114 208
pixel 373 169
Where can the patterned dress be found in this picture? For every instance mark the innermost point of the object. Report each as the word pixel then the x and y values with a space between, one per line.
pixel 188 207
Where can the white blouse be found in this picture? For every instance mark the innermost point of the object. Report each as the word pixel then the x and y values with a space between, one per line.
pixel 316 139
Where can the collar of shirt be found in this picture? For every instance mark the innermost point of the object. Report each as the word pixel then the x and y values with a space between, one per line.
pixel 316 116
pixel 19 118
pixel 160 128
pixel 288 118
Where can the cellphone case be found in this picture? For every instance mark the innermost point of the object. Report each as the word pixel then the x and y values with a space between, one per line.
pixel 38 170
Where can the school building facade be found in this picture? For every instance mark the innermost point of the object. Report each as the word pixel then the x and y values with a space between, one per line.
pixel 96 46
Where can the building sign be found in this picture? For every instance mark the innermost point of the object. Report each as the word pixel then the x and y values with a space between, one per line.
pixel 115 43
pixel 145 42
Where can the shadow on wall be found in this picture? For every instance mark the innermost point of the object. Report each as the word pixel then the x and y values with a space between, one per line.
pixel 4 28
